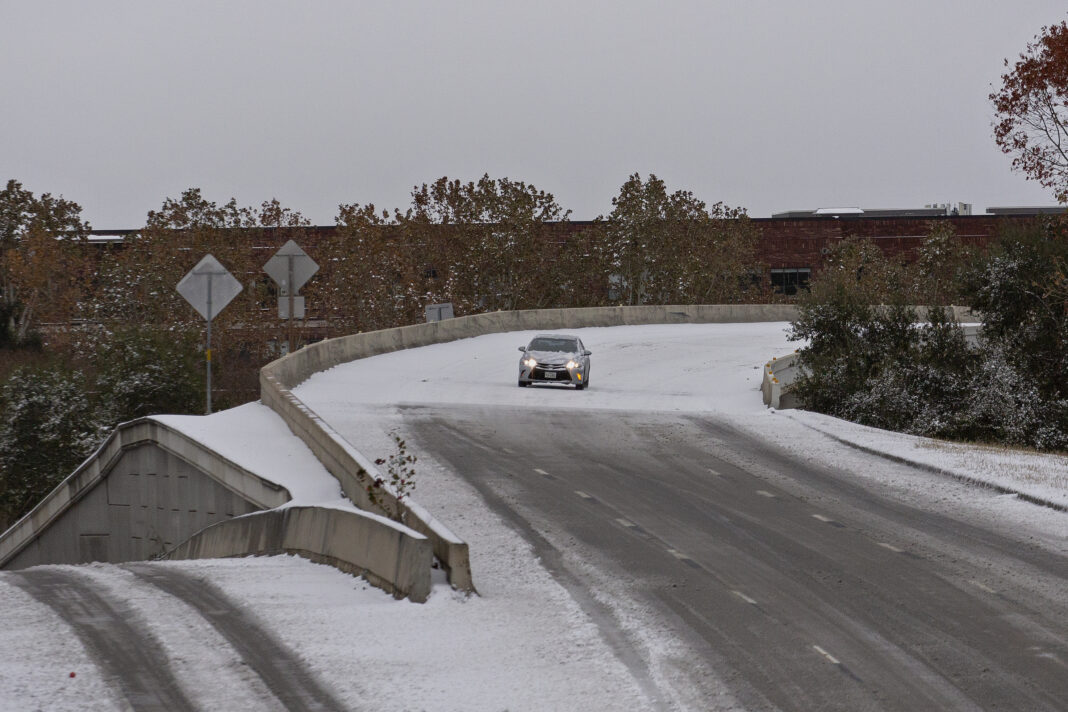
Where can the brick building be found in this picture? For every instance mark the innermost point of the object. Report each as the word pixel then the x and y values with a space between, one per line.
pixel 794 244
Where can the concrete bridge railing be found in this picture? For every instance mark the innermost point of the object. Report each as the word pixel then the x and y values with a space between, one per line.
pixel 385 553
pixel 152 491
pixel 253 490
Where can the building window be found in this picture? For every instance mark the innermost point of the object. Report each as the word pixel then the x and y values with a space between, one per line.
pixel 789 280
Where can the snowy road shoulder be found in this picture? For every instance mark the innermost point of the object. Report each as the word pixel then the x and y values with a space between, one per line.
pixel 1041 478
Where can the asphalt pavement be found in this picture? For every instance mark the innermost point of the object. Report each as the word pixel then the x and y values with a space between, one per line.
pixel 793 586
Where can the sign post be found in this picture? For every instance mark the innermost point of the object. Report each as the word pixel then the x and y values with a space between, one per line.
pixel 209 287
pixel 290 268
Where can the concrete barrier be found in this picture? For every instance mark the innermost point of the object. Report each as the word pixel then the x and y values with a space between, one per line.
pixel 356 472
pixel 253 492
pixel 105 512
pixel 779 375
pixel 387 554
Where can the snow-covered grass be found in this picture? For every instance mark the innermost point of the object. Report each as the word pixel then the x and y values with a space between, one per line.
pixel 524 643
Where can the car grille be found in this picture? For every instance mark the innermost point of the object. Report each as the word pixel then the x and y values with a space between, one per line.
pixel 562 374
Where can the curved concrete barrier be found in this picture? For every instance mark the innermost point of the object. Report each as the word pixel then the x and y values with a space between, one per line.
pixel 355 472
pixel 387 554
pixel 128 440
pixel 150 490
pixel 779 374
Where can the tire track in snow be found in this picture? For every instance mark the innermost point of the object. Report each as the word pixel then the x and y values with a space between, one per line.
pixel 132 659
pixel 279 668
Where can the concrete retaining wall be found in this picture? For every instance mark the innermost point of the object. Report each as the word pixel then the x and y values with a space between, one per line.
pixel 388 555
pixel 150 489
pixel 355 472
pixel 145 489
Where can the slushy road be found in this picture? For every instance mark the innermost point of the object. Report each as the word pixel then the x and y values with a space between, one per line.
pixel 798 586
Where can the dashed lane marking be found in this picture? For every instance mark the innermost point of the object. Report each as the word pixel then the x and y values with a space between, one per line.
pixel 684 558
pixel 830 658
pixel 540 471
pixel 636 528
pixel 713 473
pixel 984 587
pixel 891 547
pixel 765 493
pixel 828 520
pixel 745 598
pixel 582 494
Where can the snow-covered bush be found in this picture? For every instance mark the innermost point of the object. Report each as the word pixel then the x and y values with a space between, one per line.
pixel 874 365
pixel 51 417
pixel 47 428
pixel 144 372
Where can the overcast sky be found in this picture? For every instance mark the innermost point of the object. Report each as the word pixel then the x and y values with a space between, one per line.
pixel 770 106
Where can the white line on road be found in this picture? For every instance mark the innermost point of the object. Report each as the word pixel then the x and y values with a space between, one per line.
pixel 713 472
pixel 627 523
pixel 830 521
pixel 765 493
pixel 833 660
pixel 984 587
pixel 582 494
pixel 684 559
pixel 745 598
pixel 540 471
pixel 891 547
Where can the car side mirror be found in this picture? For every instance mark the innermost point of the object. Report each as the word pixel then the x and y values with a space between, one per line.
pixel 587 352
pixel 523 349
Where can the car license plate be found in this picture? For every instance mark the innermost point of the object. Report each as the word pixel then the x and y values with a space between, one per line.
pixel 550 374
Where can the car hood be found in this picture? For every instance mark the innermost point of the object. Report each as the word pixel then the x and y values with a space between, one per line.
pixel 552 356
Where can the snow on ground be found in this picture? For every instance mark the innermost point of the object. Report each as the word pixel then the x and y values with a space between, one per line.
pixel 523 643
pixel 38 653
pixel 675 367
pixel 255 437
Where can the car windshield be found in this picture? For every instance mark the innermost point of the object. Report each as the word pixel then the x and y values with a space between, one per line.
pixel 544 343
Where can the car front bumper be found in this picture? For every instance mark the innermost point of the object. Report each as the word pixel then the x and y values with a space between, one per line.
pixel 540 374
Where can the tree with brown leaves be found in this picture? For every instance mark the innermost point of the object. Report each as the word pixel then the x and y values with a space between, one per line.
pixel 43 261
pixel 1032 110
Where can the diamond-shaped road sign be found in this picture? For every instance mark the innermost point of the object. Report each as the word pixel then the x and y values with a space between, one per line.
pixel 291 267
pixel 209 287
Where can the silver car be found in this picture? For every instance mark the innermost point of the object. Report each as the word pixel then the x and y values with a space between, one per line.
pixel 555 358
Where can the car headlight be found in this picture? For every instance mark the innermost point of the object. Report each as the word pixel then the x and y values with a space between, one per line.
pixel 572 365
pixel 530 363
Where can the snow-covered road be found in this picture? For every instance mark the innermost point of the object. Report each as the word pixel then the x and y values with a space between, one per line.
pixel 524 643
